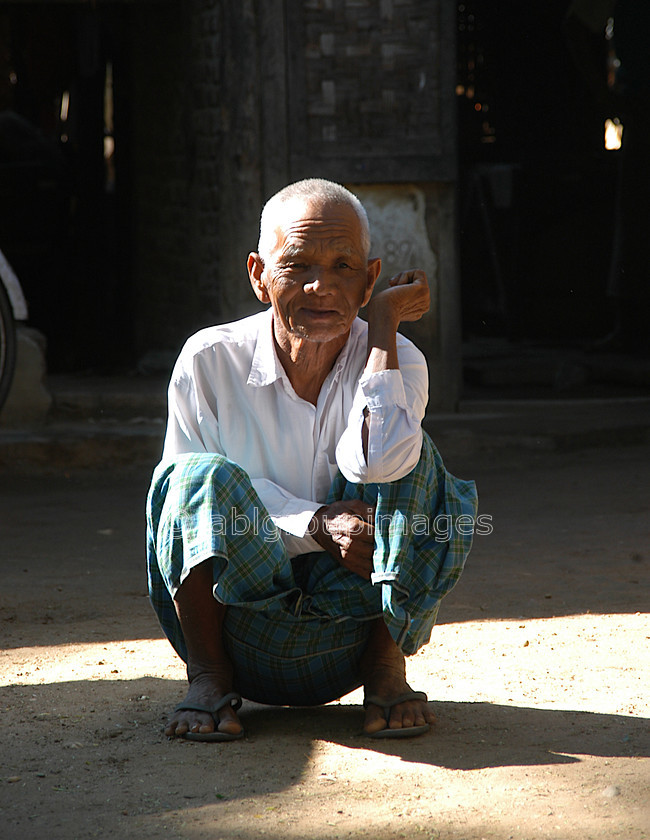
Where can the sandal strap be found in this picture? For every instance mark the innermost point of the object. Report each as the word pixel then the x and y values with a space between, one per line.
pixel 232 699
pixel 387 704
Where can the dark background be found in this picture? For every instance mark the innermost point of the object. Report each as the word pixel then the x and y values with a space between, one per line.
pixel 536 189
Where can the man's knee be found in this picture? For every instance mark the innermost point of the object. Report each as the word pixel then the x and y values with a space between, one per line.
pixel 215 468
pixel 187 474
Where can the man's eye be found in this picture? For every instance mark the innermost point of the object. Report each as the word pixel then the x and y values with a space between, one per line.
pixel 344 265
pixel 297 266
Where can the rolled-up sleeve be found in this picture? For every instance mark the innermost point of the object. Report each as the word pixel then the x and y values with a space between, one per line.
pixel 289 513
pixel 396 401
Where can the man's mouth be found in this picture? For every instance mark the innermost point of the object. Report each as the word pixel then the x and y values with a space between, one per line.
pixel 319 313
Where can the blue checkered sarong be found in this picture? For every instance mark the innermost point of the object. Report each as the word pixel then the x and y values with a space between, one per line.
pixel 296 629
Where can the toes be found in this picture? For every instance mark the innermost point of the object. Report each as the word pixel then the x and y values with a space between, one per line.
pixel 406 715
pixel 232 727
pixel 401 717
pixel 375 720
pixel 228 723
pixel 179 727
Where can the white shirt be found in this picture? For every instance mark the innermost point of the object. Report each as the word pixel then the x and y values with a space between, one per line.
pixel 230 394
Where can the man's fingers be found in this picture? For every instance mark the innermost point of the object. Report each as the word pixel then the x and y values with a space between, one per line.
pixel 414 276
pixel 351 527
pixel 408 294
pixel 350 530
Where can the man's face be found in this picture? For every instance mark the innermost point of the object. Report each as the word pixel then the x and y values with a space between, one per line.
pixel 317 276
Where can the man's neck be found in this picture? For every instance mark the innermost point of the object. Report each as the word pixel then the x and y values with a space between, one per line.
pixel 307 363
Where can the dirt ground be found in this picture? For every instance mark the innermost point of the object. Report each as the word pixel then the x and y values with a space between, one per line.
pixel 538 672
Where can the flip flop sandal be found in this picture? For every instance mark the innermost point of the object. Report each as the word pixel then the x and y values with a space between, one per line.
pixel 233 699
pixel 386 706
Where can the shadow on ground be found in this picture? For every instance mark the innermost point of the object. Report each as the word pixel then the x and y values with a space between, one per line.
pixel 467 736
pixel 89 759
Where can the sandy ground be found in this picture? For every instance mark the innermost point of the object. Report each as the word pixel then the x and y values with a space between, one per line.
pixel 538 671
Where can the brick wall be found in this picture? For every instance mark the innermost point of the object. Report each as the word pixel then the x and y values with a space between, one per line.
pixel 370 75
pixel 369 84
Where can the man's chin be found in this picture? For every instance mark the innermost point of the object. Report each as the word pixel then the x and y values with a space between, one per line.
pixel 317 337
pixel 326 329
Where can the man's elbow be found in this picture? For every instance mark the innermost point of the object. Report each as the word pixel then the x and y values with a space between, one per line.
pixel 400 461
pixel 392 465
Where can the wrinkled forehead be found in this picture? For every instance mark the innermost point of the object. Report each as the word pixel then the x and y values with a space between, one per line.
pixel 315 221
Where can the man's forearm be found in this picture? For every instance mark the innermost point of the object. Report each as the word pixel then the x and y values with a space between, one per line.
pixel 382 341
pixel 382 355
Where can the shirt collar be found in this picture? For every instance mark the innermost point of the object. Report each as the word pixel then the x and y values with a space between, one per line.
pixel 265 367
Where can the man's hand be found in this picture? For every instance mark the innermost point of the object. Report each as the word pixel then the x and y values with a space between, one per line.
pixel 406 298
pixel 346 531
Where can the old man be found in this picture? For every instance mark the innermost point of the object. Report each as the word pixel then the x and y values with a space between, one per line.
pixel 301 526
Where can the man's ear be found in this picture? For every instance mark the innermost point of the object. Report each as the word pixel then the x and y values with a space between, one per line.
pixel 255 265
pixel 374 270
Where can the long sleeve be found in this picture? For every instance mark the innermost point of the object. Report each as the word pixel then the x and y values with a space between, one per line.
pixel 396 401
pixel 187 432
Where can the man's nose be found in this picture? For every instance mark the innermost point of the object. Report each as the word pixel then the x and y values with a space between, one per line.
pixel 320 281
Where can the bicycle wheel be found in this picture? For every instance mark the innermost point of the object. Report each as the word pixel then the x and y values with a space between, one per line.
pixel 7 345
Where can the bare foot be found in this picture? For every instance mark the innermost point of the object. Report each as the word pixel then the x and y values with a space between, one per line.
pixel 402 715
pixel 206 689
pixel 384 676
pixel 209 670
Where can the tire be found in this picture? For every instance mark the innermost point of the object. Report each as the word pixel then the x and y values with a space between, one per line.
pixel 7 345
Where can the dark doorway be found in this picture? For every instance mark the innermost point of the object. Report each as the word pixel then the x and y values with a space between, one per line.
pixel 64 177
pixel 537 187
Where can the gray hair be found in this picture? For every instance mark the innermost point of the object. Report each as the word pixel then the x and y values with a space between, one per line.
pixel 311 189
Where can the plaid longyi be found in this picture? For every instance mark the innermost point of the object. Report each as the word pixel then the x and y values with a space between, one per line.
pixel 296 629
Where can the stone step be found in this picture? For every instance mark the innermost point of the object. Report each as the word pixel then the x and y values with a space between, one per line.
pixel 493 428
pixel 108 398
pixel 574 372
